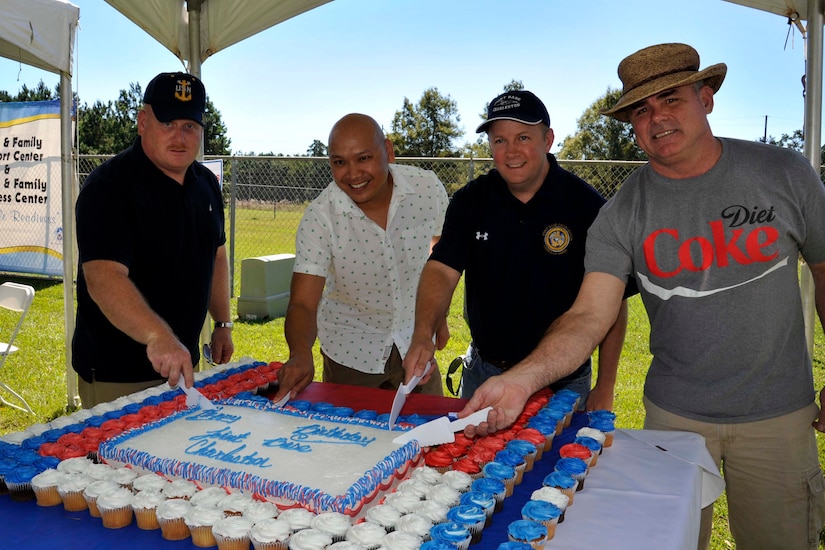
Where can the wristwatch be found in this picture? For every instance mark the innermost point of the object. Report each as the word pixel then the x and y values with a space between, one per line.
pixel 228 324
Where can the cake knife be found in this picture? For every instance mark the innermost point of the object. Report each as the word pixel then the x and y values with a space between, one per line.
pixel 402 393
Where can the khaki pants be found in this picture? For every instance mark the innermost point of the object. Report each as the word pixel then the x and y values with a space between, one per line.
pixel 774 483
pixel 392 377
pixel 95 392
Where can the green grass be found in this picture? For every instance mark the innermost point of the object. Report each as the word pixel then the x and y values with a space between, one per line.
pixel 38 369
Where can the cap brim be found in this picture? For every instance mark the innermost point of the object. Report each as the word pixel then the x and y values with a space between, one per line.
pixel 713 77
pixel 483 127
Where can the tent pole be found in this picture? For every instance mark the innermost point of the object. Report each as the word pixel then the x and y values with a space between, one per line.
pixel 67 185
pixel 813 139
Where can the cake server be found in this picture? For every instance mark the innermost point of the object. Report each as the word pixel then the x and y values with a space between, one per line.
pixel 402 393
pixel 441 430
pixel 195 397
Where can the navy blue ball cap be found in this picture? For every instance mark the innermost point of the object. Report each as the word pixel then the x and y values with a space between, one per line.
pixel 519 105
pixel 176 96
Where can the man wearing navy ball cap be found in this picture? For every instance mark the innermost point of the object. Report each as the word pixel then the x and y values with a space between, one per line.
pixel 150 233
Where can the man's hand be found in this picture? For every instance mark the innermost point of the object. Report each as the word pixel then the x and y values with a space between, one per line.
pixel 600 398
pixel 222 346
pixel 293 377
pixel 171 359
pixel 506 394
pixel 819 421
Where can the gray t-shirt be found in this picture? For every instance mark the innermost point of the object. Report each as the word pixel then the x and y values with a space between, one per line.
pixel 715 259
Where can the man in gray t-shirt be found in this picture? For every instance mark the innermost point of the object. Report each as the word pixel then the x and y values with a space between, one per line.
pixel 712 230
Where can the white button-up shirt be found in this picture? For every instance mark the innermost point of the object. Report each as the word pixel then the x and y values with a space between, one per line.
pixel 371 274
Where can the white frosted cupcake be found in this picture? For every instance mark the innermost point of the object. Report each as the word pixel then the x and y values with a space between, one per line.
pixel 345 545
pixel 144 505
pixel 401 540
pixel 444 494
pixel 334 524
pixel 458 480
pixel 199 520
pixel 258 511
pixel 208 497
pixel 149 482
pixel 309 539
pixel 44 486
pixel 432 510
pixel 234 504
pixel 553 496
pixel 418 487
pixel 70 488
pixel 415 524
pixel 123 476
pixel 171 515
pixel 270 534
pixel 367 534
pixel 298 518
pixel 404 502
pixel 116 508
pixel 430 476
pixel 95 489
pixel 98 471
pixel 384 515
pixel 180 488
pixel 77 465
pixel 232 533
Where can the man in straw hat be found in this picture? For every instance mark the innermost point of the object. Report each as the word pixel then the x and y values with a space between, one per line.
pixel 711 228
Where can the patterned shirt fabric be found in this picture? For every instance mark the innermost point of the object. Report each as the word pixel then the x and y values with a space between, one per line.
pixel 371 274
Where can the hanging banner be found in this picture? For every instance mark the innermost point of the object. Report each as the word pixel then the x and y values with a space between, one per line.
pixel 31 208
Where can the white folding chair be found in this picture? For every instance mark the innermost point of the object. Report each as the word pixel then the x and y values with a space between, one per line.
pixel 17 298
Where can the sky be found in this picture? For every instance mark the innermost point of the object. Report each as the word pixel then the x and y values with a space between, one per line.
pixel 285 87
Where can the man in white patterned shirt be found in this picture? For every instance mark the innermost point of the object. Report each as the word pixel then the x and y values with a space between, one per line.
pixel 360 249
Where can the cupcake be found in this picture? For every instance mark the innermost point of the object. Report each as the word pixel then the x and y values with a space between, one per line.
pixel 453 533
pixel 144 506
pixel 438 459
pixel 232 533
pixel 491 486
pixel 575 450
pixel 367 534
pixel 592 433
pixel 75 465
pixel 235 504
pixel 95 489
pixel 563 482
pixel 171 516
pixel 468 466
pixel 432 510
pixel 525 530
pixel 298 518
pixel 592 444
pixel 554 497
pixel 470 516
pixel 270 534
pixel 180 488
pixel 502 472
pixel 200 520
pixel 44 486
pixel 70 488
pixel 309 539
pixel 384 515
pixel 575 468
pixel 403 502
pixel 428 475
pixel 525 449
pixel 458 480
pixel 258 511
pixel 414 523
pixel 418 487
pixel 116 508
pixel 209 497
pixel 123 476
pixel 345 545
pixel 533 436
pixel 401 540
pixel 543 512
pixel 149 482
pixel 443 494
pixel 19 483
pixel 334 524
pixel 604 422
pixel 485 501
pixel 98 471
pixel 514 459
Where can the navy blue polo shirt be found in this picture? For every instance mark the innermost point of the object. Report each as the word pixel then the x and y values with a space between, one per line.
pixel 167 234
pixel 523 263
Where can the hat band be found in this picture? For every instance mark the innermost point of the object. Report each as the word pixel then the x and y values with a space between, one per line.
pixel 657 76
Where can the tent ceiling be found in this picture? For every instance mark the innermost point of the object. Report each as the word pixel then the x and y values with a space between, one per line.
pixel 222 22
pixel 38 33
pixel 786 8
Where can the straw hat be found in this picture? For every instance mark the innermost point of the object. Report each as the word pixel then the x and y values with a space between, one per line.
pixel 659 68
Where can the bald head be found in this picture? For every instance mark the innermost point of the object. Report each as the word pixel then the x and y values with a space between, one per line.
pixel 356 127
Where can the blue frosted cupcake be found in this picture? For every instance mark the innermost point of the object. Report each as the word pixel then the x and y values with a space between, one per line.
pixel 594 446
pixel 470 516
pixel 502 472
pixel 543 512
pixel 485 501
pixel 605 424
pixel 575 468
pixel 514 459
pixel 491 486
pixel 562 481
pixel 451 533
pixel 525 449
pixel 531 532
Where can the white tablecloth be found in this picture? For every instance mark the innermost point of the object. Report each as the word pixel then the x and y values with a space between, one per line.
pixel 646 492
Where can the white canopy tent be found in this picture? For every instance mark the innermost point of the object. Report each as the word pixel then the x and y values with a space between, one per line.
pixel 41 33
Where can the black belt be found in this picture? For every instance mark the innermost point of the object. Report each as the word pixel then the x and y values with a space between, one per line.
pixel 501 365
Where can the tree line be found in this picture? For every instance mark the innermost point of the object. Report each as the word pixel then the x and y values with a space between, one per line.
pixel 428 127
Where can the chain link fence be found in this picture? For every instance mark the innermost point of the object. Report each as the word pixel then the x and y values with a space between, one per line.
pixel 266 196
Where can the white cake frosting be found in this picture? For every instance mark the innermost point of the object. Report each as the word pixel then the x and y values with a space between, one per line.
pixel 270 530
pixel 324 463
pixel 309 539
pixel 115 500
